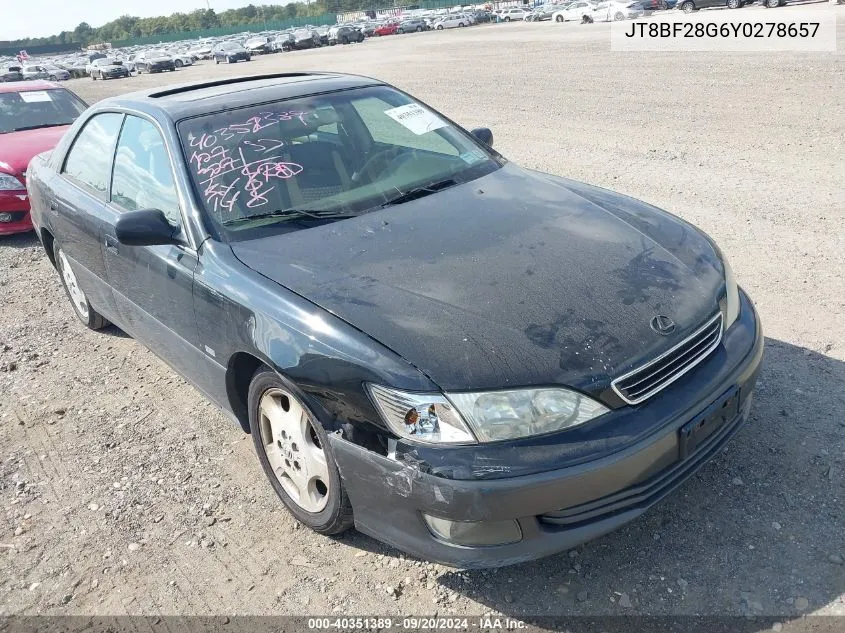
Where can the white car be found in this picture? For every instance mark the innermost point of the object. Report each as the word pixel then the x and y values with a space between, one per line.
pixel 575 11
pixel 181 59
pixel 450 22
pixel 514 13
pixel 615 11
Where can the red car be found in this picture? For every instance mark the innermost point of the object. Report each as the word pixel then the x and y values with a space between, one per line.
pixel 33 117
pixel 388 28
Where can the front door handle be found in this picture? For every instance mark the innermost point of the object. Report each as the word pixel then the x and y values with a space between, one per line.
pixel 111 244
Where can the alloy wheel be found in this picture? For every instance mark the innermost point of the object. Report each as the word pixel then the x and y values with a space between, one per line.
pixel 294 450
pixel 80 303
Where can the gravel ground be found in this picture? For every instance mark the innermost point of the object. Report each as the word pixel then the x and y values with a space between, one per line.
pixel 124 492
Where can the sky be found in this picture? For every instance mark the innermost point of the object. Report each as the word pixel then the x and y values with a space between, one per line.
pixel 40 18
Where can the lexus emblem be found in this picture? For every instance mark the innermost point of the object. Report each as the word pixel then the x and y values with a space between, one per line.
pixel 663 325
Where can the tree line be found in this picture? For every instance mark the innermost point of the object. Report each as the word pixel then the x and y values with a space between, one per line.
pixel 129 27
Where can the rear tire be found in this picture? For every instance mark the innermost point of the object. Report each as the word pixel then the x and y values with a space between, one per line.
pixel 619 16
pixel 178 63
pixel 296 455
pixel 688 7
pixel 81 308
pixel 772 4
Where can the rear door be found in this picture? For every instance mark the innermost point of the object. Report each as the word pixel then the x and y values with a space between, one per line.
pixel 79 205
pixel 152 285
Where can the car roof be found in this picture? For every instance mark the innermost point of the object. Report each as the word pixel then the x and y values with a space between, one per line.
pixel 28 86
pixel 191 99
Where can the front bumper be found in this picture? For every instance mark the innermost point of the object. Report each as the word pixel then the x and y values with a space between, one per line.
pixel 16 205
pixel 559 509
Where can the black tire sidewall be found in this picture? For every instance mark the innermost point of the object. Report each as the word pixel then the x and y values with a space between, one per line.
pixel 326 521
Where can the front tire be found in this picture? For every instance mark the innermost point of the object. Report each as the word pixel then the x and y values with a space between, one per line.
pixel 772 4
pixel 688 7
pixel 619 16
pixel 178 63
pixel 295 453
pixel 81 308
pixel 559 18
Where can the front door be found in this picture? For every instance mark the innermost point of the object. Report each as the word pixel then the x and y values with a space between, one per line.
pixel 152 285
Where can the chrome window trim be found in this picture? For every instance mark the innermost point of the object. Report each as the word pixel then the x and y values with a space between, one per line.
pixel 717 317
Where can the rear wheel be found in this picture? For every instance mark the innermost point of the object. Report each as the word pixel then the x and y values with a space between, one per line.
pixel 439 27
pixel 771 4
pixel 83 310
pixel 508 19
pixel 687 7
pixel 178 63
pixel 296 455
pixel 619 16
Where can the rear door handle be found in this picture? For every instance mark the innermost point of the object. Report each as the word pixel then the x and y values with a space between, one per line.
pixel 111 244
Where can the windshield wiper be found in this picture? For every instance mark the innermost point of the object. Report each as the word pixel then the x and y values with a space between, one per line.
pixel 420 192
pixel 36 127
pixel 293 214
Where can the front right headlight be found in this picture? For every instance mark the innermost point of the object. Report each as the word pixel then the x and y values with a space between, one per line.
pixel 506 415
pixel 9 183
pixel 485 416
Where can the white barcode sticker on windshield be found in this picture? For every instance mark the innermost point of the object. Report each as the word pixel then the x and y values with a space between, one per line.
pixel 416 118
pixel 35 96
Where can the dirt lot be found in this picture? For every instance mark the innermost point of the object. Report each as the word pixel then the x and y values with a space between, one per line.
pixel 124 492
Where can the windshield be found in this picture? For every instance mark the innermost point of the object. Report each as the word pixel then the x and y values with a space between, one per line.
pixel 38 108
pixel 279 166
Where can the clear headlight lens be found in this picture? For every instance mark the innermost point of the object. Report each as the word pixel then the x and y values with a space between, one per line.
pixel 10 183
pixel 426 418
pixel 462 418
pixel 503 415
pixel 732 301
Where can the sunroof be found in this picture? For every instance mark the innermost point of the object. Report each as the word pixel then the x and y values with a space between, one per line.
pixel 225 82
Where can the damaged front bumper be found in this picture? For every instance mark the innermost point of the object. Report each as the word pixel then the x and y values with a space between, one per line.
pixel 558 509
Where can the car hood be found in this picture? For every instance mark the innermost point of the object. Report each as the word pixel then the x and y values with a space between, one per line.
pixel 18 148
pixel 513 279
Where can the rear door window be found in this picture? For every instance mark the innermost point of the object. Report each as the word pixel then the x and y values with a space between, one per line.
pixel 89 161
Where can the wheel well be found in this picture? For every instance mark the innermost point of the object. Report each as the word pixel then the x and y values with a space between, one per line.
pixel 242 367
pixel 47 240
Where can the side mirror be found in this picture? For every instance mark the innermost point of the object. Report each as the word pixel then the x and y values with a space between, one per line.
pixel 484 135
pixel 145 227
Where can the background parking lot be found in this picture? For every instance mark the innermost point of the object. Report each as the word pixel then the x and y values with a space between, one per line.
pixel 124 492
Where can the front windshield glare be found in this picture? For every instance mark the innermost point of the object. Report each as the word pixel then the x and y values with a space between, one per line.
pixel 258 169
pixel 38 108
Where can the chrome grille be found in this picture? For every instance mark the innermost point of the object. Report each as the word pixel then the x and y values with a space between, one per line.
pixel 645 381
